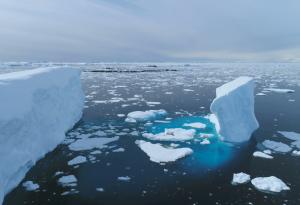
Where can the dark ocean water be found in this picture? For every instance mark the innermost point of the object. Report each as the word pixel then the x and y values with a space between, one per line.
pixel 201 178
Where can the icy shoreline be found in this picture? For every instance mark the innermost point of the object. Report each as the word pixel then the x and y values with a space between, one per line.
pixel 37 107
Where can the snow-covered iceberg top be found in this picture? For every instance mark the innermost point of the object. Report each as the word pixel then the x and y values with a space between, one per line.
pixel 37 107
pixel 233 110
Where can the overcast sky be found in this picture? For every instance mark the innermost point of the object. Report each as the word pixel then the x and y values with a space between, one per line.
pixel 150 30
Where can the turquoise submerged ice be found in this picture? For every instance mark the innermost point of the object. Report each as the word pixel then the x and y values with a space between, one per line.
pixel 209 150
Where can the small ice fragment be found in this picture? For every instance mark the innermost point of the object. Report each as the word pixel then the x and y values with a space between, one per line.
pixel 279 90
pixel 262 155
pixel 290 135
pixel 205 141
pixel 100 189
pixel 77 160
pixel 30 186
pixel 197 125
pixel 69 180
pixel 124 178
pixel 276 146
pixel 172 134
pixel 296 153
pixel 240 178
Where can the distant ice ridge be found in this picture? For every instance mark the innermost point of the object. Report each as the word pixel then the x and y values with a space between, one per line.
pixel 233 110
pixel 37 107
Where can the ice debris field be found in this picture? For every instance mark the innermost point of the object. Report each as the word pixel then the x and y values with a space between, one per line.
pixel 149 135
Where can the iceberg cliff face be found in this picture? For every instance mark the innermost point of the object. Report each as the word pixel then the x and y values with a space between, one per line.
pixel 37 107
pixel 233 108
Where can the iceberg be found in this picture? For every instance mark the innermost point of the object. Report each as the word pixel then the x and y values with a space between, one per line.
pixel 233 110
pixel 37 108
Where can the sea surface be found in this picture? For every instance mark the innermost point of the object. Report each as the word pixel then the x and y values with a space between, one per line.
pixel 185 91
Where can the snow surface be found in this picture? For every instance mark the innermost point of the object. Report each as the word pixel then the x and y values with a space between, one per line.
pixel 240 178
pixel 262 155
pixel 172 134
pixel 234 110
pixel 142 116
pixel 160 154
pixel 37 107
pixel 276 146
pixel 269 184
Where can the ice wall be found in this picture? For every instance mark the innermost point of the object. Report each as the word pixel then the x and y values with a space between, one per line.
pixel 37 107
pixel 233 108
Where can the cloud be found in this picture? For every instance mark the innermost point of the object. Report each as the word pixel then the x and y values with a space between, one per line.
pixel 143 30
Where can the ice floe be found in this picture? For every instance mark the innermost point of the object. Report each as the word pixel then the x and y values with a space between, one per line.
pixel 142 116
pixel 124 178
pixel 91 143
pixel 262 155
pixel 30 186
pixel 269 184
pixel 290 135
pixel 276 146
pixel 77 160
pixel 280 90
pixel 197 125
pixel 240 178
pixel 172 134
pixel 68 181
pixel 161 154
pixel 234 110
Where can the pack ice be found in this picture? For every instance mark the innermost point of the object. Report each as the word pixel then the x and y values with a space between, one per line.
pixel 37 107
pixel 233 110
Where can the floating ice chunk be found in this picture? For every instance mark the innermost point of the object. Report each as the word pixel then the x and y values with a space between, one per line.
pixel 30 186
pixel 69 180
pixel 100 189
pixel 77 160
pixel 290 135
pixel 197 125
pixel 276 146
pixel 279 90
pixel 240 178
pixel 234 110
pixel 120 115
pixel 130 120
pixel 153 103
pixel 296 153
pixel 119 150
pixel 160 154
pixel 142 116
pixel 124 178
pixel 269 184
pixel 205 141
pixel 172 134
pixel 91 143
pixel 260 94
pixel 262 155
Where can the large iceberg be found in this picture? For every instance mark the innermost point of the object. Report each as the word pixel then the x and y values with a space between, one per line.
pixel 37 107
pixel 233 110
